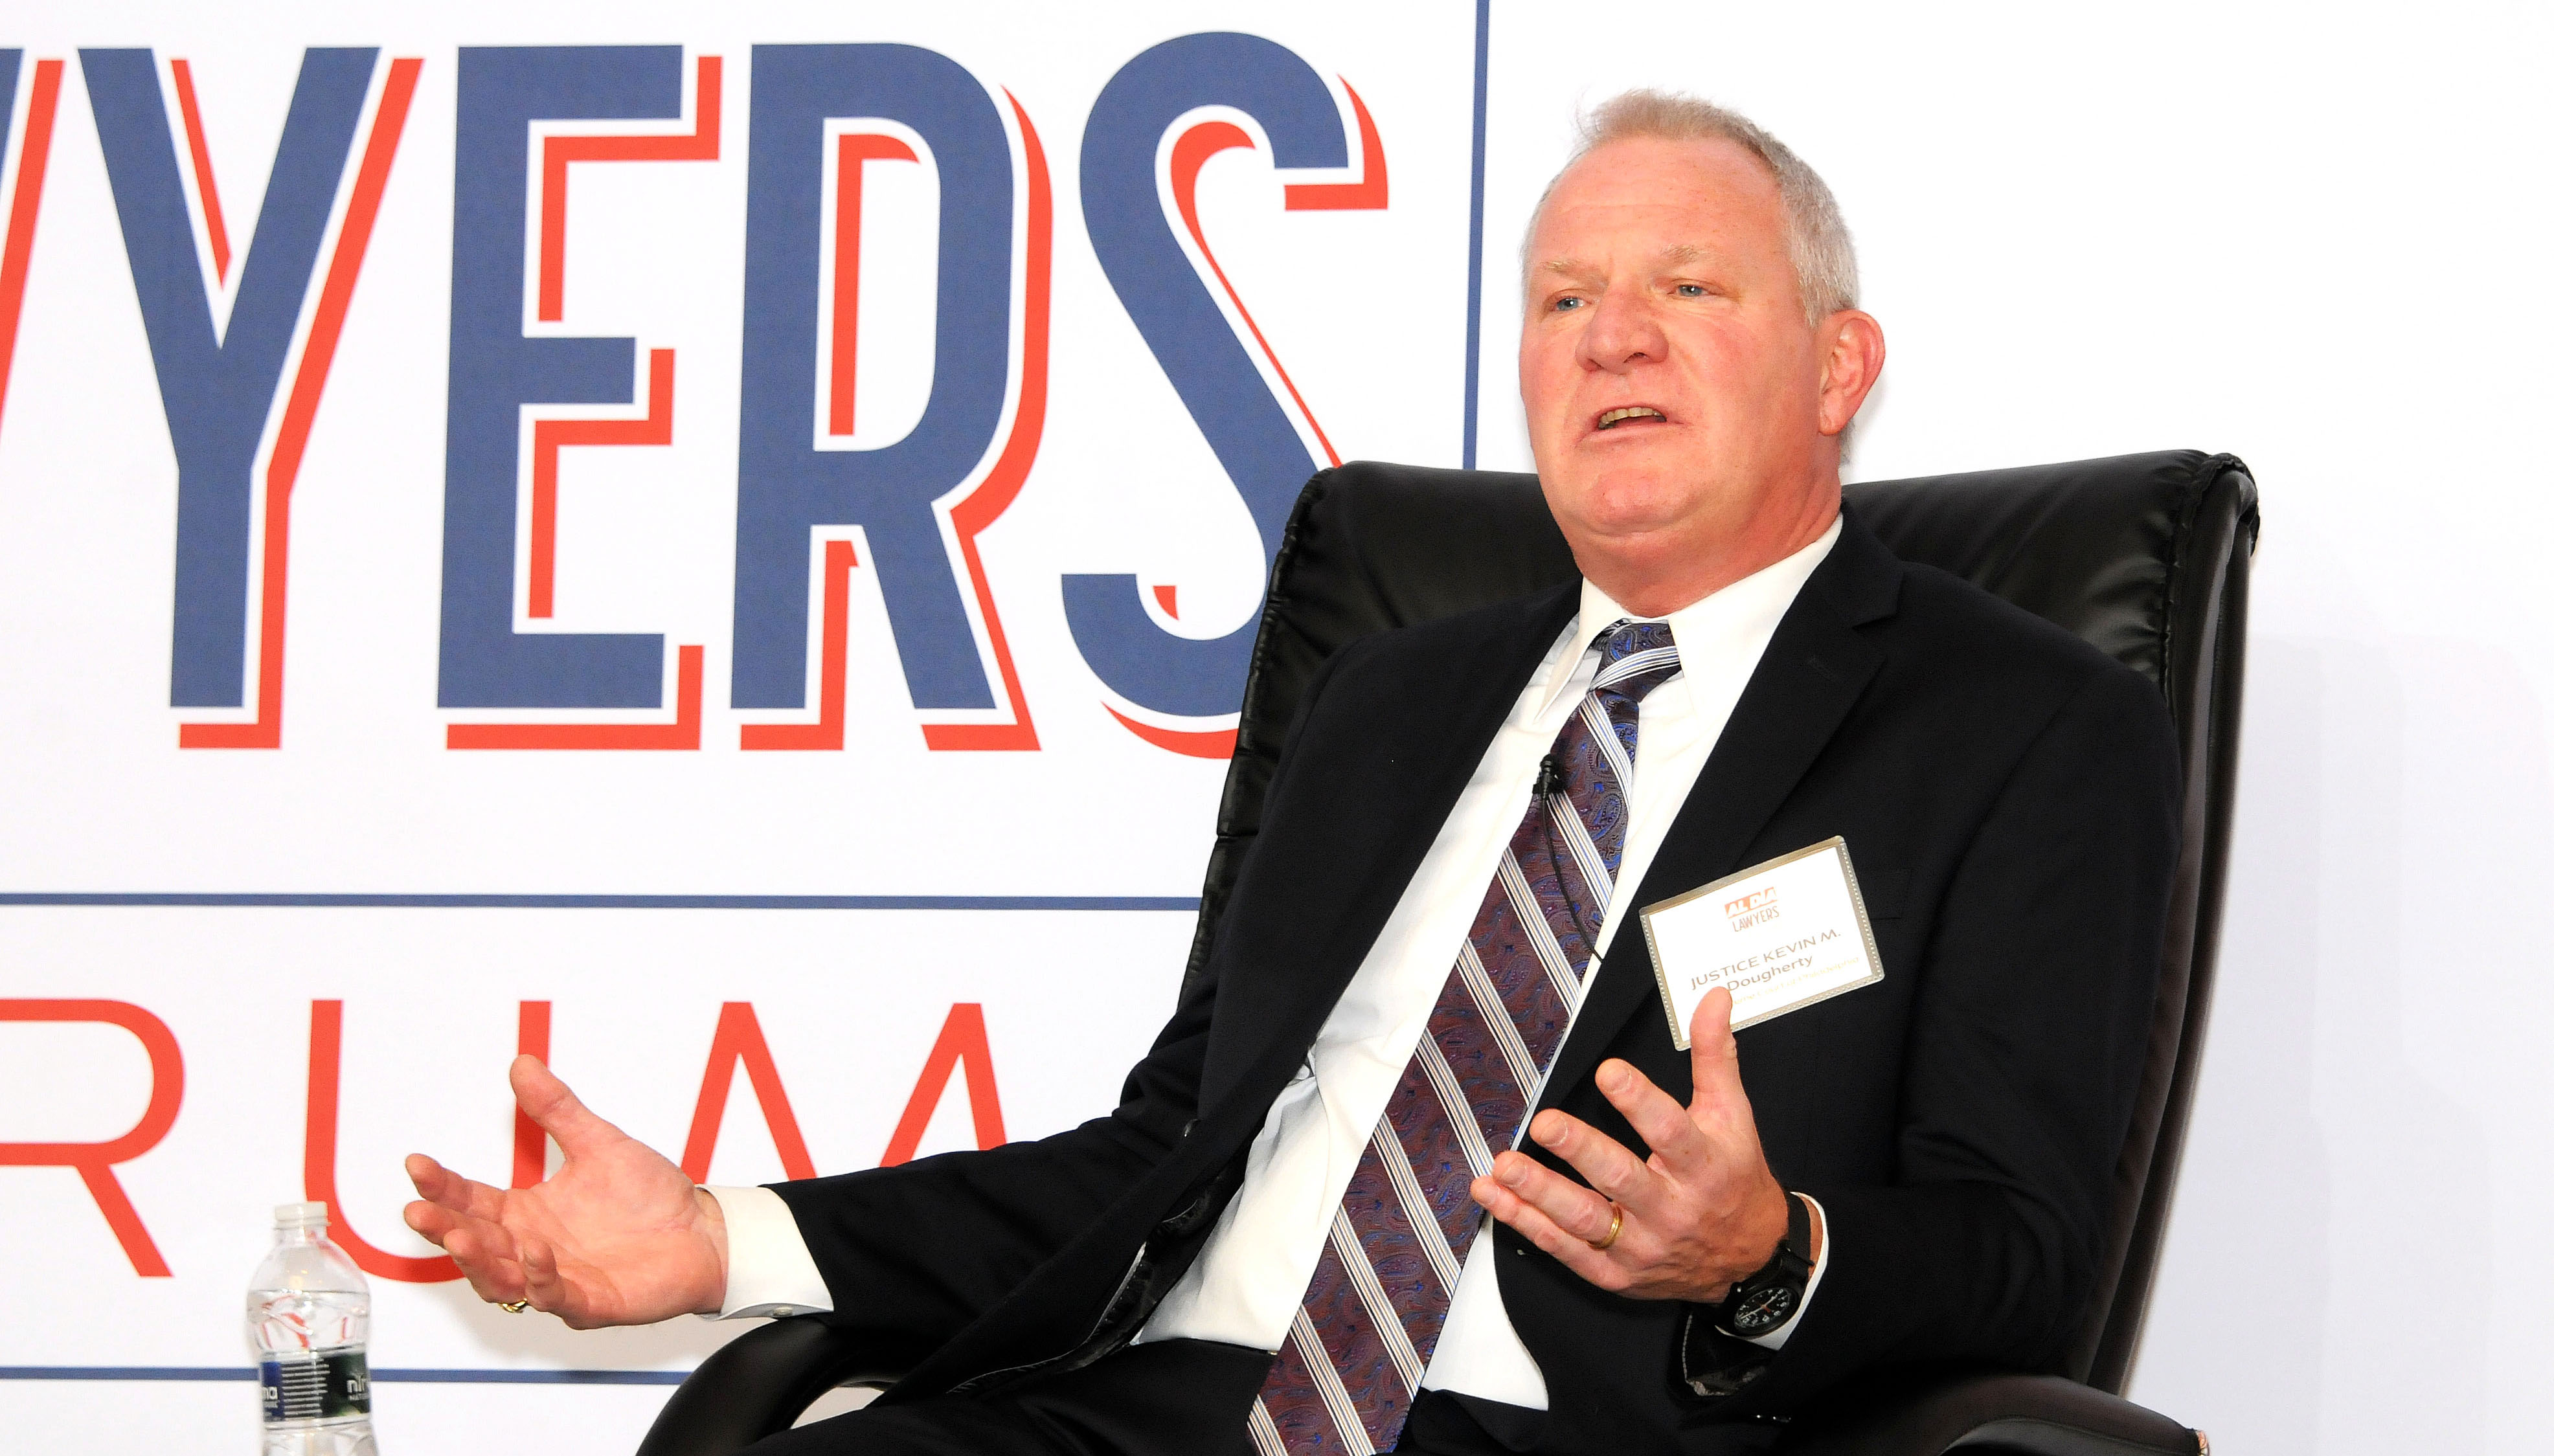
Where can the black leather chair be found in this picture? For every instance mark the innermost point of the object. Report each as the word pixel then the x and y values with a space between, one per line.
pixel 2146 556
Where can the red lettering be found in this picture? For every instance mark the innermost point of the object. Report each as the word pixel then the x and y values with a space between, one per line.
pixel 532 1145
pixel 95 1162
pixel 319 1161
pixel 33 151
pixel 319 1140
pixel 739 1038
pixel 962 1037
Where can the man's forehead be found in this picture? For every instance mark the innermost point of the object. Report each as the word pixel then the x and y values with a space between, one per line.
pixel 1657 195
pixel 1672 255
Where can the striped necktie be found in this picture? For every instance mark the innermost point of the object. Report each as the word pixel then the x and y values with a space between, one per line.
pixel 1368 1324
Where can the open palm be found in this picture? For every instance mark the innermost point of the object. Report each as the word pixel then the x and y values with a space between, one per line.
pixel 617 1236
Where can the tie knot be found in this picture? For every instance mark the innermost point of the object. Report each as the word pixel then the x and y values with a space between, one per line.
pixel 1639 655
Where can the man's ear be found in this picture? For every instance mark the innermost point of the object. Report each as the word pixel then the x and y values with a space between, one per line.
pixel 1851 353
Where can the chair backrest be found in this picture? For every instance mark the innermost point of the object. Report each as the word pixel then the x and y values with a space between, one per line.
pixel 2146 556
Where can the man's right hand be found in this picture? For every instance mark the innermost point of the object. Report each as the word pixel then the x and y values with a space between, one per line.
pixel 617 1236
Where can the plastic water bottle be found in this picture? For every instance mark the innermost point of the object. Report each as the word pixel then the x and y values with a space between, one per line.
pixel 309 1312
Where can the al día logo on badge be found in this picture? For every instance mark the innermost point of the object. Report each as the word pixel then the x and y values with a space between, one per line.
pixel 1751 910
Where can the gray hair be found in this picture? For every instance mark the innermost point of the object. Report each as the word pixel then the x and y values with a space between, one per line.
pixel 1822 262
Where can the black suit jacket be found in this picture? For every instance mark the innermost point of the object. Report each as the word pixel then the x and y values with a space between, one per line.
pixel 2009 796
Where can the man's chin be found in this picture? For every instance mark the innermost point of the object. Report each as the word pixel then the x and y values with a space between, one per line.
pixel 1635 497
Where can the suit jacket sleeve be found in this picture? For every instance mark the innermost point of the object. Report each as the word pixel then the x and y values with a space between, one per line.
pixel 913 1253
pixel 2022 1065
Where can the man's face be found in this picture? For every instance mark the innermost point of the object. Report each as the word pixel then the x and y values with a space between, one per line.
pixel 1671 382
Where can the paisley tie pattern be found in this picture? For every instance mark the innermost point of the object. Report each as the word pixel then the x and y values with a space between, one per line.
pixel 1350 1366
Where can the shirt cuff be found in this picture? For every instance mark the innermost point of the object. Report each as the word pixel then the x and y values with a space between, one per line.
pixel 1772 1339
pixel 768 1268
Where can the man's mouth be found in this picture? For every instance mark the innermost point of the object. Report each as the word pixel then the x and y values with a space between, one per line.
pixel 1613 417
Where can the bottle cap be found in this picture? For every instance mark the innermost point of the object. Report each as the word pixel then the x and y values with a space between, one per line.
pixel 301 1215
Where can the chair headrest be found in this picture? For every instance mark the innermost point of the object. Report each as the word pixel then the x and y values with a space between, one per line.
pixel 2091 545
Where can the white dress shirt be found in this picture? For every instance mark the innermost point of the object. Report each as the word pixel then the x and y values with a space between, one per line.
pixel 1249 1279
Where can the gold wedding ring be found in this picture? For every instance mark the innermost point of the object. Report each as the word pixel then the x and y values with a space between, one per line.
pixel 1612 1233
pixel 518 1306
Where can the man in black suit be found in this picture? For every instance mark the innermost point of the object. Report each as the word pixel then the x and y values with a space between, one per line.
pixel 1677 1260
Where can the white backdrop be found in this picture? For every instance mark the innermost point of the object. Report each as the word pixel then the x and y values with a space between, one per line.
pixel 2299 235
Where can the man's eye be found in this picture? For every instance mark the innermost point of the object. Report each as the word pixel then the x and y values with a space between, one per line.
pixel 1565 304
pixel 1689 290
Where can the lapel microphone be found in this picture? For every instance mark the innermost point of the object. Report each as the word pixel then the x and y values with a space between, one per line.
pixel 1551 782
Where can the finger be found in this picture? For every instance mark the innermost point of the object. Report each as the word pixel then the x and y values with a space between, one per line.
pixel 437 1183
pixel 1661 1120
pixel 543 1287
pixel 485 1256
pixel 431 1220
pixel 1574 1209
pixel 1537 1228
pixel 1609 1167
pixel 547 1101
pixel 438 1225
pixel 1718 1093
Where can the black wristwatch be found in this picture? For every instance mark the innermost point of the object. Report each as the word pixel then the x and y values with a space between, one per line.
pixel 1760 1304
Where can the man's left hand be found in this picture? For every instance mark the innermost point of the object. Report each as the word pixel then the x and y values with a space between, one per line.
pixel 1702 1212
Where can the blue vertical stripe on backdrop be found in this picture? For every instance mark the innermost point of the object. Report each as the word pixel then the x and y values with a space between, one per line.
pixel 1480 157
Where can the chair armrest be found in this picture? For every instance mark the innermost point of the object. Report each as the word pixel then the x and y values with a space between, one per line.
pixel 761 1382
pixel 757 1385
pixel 1930 1411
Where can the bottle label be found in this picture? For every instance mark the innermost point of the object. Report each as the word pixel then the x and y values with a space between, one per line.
pixel 322 1386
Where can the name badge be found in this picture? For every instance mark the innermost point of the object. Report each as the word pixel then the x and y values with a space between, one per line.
pixel 1782 934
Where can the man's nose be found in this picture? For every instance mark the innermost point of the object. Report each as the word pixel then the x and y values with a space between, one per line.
pixel 1625 332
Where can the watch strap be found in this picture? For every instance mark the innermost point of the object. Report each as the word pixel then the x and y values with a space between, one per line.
pixel 1790 1263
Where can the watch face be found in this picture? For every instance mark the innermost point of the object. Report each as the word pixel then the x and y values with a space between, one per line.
pixel 1764 1308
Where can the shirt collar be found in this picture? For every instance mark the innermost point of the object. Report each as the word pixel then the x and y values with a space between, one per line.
pixel 1743 613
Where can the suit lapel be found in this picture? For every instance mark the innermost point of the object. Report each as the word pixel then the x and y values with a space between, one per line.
pixel 1813 670
pixel 1437 713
